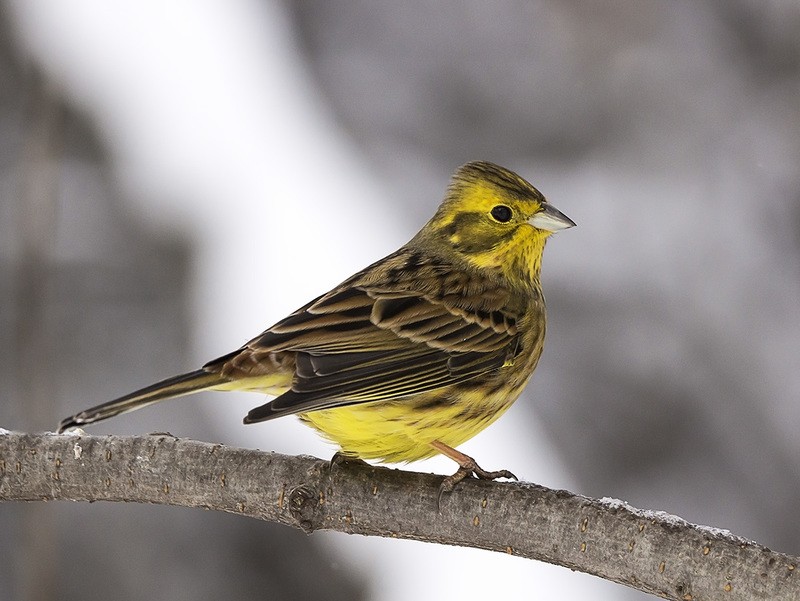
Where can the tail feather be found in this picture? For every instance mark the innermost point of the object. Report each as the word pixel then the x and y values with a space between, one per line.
pixel 188 383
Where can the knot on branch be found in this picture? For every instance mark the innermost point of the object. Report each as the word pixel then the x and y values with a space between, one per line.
pixel 303 507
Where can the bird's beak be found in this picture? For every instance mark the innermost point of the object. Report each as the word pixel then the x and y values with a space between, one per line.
pixel 550 219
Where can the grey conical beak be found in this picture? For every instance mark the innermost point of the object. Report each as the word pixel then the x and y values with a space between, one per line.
pixel 550 219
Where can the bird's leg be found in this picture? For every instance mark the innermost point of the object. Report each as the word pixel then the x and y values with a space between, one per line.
pixel 467 467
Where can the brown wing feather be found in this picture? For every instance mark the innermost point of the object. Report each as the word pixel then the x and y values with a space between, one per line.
pixel 388 333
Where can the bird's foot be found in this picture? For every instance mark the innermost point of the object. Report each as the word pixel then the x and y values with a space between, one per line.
pixel 468 467
pixel 339 458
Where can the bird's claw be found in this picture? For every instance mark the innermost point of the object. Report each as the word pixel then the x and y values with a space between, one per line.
pixel 339 459
pixel 471 468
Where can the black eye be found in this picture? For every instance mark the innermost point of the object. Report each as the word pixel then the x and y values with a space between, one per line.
pixel 502 213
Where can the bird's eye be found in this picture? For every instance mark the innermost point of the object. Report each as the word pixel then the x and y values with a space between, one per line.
pixel 502 213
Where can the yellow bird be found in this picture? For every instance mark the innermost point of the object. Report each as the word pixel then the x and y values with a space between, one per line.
pixel 418 352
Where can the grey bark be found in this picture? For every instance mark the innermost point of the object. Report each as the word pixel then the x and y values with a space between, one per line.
pixel 650 551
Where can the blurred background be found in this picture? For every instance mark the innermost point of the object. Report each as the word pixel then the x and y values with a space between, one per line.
pixel 176 176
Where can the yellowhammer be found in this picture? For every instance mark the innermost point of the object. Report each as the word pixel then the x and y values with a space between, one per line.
pixel 416 353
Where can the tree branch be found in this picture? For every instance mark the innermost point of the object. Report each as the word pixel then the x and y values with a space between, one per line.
pixel 649 551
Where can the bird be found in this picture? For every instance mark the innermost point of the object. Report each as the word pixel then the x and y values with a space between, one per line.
pixel 416 353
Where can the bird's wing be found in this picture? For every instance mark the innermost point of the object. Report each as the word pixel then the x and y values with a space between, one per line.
pixel 374 340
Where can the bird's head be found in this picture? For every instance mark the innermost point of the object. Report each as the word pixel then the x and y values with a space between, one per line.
pixel 495 219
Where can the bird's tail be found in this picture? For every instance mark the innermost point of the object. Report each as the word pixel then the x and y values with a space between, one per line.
pixel 194 381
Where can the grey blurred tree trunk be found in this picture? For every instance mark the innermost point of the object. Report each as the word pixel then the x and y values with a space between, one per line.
pixel 77 277
pixel 36 231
